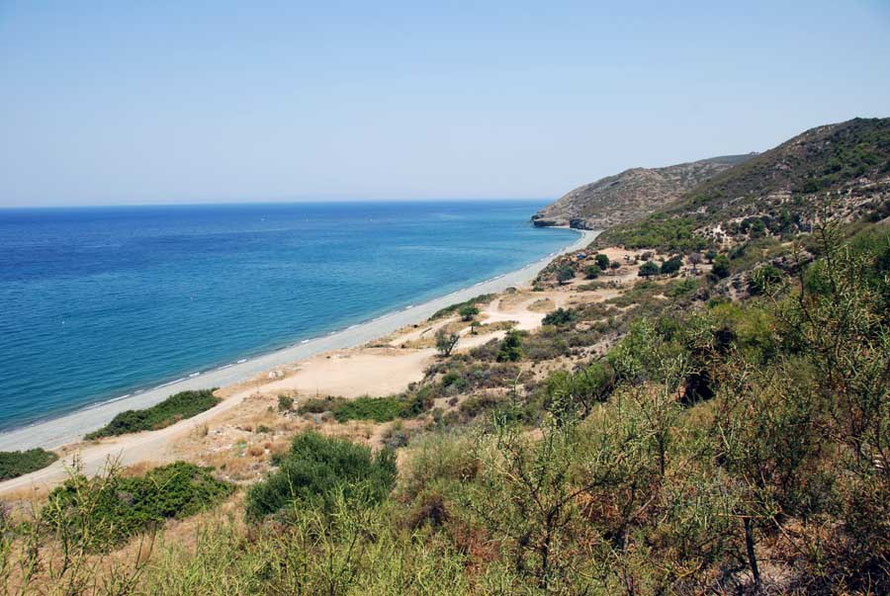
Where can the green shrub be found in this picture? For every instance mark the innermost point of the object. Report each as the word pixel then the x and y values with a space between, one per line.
pixel 170 411
pixel 453 308
pixel 560 316
pixel 720 269
pixel 468 311
pixel 285 403
pixel 510 349
pixel 648 269
pixel 107 510
pixel 378 409
pixel 671 266
pixel 682 287
pixel 18 463
pixel 764 279
pixel 545 346
pixel 473 406
pixel 317 470
pixel 317 405
pixel 565 273
pixel 592 271
pixel 602 261
pixel 657 231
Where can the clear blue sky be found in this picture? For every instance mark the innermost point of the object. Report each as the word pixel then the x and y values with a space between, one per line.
pixel 147 102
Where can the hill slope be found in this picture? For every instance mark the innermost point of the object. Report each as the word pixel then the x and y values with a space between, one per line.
pixel 841 171
pixel 631 194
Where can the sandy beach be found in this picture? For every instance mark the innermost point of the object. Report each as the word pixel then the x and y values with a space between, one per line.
pixel 384 357
pixel 71 428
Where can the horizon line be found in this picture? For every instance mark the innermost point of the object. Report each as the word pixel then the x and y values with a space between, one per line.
pixel 288 201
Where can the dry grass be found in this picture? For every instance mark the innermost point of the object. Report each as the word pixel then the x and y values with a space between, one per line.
pixel 542 305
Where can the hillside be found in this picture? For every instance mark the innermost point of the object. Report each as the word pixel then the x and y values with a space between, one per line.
pixel 631 194
pixel 837 170
pixel 643 421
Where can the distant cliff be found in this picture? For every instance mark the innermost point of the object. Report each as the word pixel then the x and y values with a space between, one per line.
pixel 631 194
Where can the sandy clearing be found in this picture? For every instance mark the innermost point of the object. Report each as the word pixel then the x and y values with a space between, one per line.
pixel 373 371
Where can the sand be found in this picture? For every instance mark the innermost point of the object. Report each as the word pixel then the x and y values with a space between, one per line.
pixel 376 379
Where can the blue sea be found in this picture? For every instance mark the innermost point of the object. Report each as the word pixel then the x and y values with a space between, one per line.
pixel 98 302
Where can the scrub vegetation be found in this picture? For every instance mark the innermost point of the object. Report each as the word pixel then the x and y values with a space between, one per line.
pixel 17 463
pixel 170 411
pixel 719 425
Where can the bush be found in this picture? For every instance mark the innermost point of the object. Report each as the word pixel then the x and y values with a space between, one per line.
pixel 656 231
pixel 448 310
pixel 170 411
pixel 592 271
pixel 18 463
pixel 378 409
pixel 468 312
pixel 317 470
pixel 510 349
pixel 648 269
pixel 671 266
pixel 682 287
pixel 115 508
pixel 473 406
pixel 545 346
pixel 720 268
pixel 565 274
pixel 318 405
pixel 763 279
pixel 285 403
pixel 560 316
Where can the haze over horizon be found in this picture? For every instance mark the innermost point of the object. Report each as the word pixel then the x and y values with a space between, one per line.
pixel 105 103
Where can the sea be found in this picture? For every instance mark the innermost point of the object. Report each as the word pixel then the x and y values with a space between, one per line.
pixel 99 302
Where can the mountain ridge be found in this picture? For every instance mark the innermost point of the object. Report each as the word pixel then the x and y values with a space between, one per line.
pixel 632 193
pixel 838 171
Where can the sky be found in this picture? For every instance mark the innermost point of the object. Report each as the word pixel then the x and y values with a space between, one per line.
pixel 182 102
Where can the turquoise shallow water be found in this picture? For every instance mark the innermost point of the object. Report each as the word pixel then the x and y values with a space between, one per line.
pixel 96 303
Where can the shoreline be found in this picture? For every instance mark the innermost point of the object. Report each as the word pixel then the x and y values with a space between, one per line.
pixel 70 428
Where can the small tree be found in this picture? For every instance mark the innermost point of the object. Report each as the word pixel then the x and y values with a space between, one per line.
pixel 565 274
pixel 695 260
pixel 592 271
pixel 671 266
pixel 445 342
pixel 468 311
pixel 614 265
pixel 721 267
pixel 648 269
pixel 511 347
pixel 711 255
pixel 602 261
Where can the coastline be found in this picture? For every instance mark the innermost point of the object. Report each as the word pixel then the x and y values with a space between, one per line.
pixel 70 428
